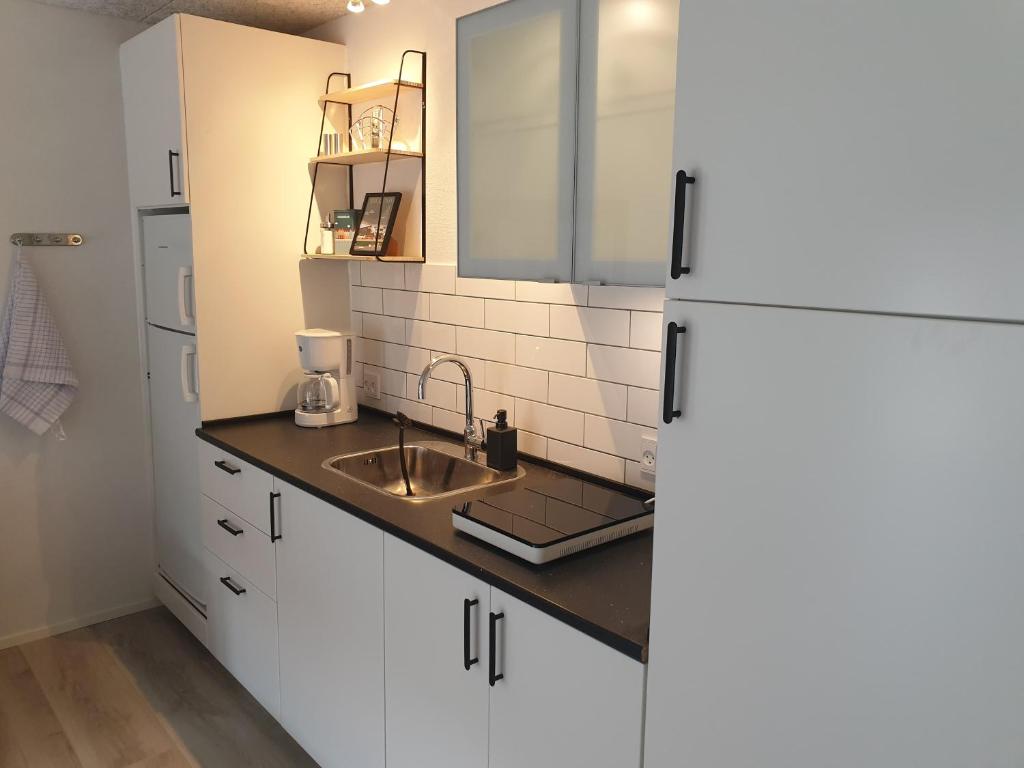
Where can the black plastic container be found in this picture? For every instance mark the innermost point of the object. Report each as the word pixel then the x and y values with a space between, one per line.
pixel 502 445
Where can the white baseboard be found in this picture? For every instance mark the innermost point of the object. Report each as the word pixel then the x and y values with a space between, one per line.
pixel 20 638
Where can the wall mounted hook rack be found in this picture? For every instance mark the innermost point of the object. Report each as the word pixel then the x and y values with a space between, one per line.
pixel 47 238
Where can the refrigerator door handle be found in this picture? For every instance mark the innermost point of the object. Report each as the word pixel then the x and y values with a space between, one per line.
pixel 184 273
pixel 676 269
pixel 672 335
pixel 188 390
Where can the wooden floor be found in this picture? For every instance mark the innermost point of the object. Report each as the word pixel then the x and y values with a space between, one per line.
pixel 136 692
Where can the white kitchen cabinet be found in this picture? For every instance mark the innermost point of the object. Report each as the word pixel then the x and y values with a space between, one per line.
pixel 563 699
pixel 516 127
pixel 861 155
pixel 237 485
pixel 242 631
pixel 154 116
pixel 435 663
pixel 837 564
pixel 627 77
pixel 330 591
pixel 240 544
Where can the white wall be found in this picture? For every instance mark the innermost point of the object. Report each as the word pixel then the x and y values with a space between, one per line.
pixel 575 366
pixel 75 516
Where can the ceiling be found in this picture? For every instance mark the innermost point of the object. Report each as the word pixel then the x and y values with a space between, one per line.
pixel 291 16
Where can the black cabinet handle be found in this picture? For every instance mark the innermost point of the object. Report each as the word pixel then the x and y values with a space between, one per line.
pixel 229 528
pixel 226 467
pixel 669 390
pixel 466 661
pixel 678 225
pixel 274 535
pixel 171 154
pixel 226 581
pixel 492 646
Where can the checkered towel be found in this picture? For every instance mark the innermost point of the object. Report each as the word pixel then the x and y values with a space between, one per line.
pixel 37 383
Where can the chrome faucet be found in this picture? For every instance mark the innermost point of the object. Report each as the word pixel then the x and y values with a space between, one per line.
pixel 473 439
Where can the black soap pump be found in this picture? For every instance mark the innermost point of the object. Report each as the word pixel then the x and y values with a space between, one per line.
pixel 501 444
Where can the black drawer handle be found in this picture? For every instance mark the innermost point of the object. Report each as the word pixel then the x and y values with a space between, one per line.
pixel 226 581
pixel 669 390
pixel 226 467
pixel 492 647
pixel 229 528
pixel 678 225
pixel 171 154
pixel 274 535
pixel 467 662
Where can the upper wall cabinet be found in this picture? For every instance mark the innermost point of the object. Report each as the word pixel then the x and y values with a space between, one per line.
pixel 516 139
pixel 565 140
pixel 152 87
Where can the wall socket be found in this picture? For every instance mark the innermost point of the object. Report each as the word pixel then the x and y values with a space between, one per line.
pixel 648 455
pixel 371 384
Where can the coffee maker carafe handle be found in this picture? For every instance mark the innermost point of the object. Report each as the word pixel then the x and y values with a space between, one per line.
pixel 333 393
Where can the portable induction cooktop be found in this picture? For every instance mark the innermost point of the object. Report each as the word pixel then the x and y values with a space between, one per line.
pixel 551 515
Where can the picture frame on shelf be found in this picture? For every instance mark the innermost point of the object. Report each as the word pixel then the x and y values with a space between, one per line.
pixel 376 223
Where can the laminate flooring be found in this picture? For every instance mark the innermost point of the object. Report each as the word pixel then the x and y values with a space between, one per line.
pixel 135 692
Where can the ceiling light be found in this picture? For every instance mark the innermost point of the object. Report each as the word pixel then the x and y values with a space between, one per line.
pixel 381 2
pixel 355 6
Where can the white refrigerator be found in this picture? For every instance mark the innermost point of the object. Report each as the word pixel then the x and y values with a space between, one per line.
pixel 839 549
pixel 173 400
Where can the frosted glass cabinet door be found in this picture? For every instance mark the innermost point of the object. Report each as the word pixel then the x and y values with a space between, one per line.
pixel 516 133
pixel 627 80
pixel 853 155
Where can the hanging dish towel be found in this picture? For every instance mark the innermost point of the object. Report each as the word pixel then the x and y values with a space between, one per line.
pixel 37 383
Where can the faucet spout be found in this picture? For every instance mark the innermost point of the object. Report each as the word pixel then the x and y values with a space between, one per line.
pixel 473 439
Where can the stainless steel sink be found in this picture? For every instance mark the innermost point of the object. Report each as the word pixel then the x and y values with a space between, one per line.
pixel 435 471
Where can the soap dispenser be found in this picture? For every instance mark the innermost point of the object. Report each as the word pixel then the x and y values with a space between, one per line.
pixel 501 444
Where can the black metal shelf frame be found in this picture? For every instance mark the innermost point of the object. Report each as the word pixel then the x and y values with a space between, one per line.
pixel 422 88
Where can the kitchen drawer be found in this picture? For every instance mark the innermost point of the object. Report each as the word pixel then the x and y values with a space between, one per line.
pixel 242 632
pixel 240 544
pixel 235 484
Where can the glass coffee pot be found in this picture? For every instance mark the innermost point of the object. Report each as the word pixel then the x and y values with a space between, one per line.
pixel 318 393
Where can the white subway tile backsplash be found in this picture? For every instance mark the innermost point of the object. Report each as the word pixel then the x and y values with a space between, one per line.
pixel 353 273
pixel 414 409
pixel 406 359
pixel 450 420
pixel 616 437
pixel 638 478
pixel 430 278
pixel 643 406
pixel 645 330
pixel 391 382
pixel 535 445
pixel 379 275
pixel 600 397
pixel 486 289
pixel 486 404
pixel 384 328
pixel 419 333
pixel 441 394
pixel 367 299
pixel 597 326
pixel 549 421
pixel 411 304
pixel 357 323
pixel 626 366
pixel 623 297
pixel 369 351
pixel 517 317
pixel 551 354
pixel 551 293
pixel 530 383
pixel 586 460
pixel 457 310
pixel 488 345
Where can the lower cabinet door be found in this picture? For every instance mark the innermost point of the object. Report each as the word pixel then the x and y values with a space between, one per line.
pixel 436 661
pixel 242 631
pixel 562 698
pixel 330 593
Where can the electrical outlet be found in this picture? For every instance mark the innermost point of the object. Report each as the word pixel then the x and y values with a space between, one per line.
pixel 648 455
pixel 371 384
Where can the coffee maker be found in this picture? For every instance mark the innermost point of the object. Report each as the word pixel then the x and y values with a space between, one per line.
pixel 327 393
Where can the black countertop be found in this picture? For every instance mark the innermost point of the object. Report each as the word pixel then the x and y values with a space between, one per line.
pixel 604 592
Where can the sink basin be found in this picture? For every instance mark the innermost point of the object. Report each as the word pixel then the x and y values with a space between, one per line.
pixel 434 472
